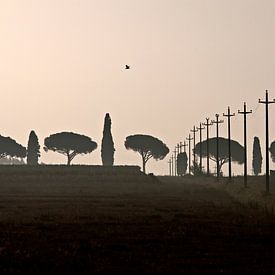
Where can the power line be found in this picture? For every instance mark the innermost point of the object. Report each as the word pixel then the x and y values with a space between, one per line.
pixel 200 129
pixel 207 124
pixel 245 113
pixel 267 102
pixel 194 130
pixel 189 157
pixel 229 115
pixel 217 122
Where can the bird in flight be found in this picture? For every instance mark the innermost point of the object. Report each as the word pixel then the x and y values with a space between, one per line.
pixel 127 67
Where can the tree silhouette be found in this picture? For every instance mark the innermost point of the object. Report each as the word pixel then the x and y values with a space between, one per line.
pixel 33 152
pixel 69 144
pixel 257 157
pixel 182 163
pixel 272 151
pixel 107 144
pixel 9 147
pixel 147 146
pixel 237 151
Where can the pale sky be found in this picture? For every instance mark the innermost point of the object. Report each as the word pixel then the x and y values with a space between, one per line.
pixel 62 68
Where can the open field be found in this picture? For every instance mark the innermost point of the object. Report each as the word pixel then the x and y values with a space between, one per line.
pixel 78 221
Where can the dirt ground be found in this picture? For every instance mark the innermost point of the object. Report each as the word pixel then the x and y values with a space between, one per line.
pixel 79 224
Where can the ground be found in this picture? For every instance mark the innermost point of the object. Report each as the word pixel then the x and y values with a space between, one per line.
pixel 81 223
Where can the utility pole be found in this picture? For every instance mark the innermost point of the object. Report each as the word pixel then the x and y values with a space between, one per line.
pixel 172 165
pixel 189 157
pixel 175 158
pixel 245 113
pixel 178 151
pixel 207 124
pixel 266 102
pixel 200 129
pixel 194 154
pixel 170 170
pixel 184 146
pixel 217 122
pixel 178 148
pixel 229 115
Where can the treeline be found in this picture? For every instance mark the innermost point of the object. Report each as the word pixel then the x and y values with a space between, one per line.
pixel 72 144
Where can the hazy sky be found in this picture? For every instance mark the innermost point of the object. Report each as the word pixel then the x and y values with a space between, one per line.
pixel 62 68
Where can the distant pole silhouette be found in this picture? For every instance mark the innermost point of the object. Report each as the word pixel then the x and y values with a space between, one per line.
pixel 217 122
pixel 178 151
pixel 180 146
pixel 172 165
pixel 175 159
pixel 245 113
pixel 184 146
pixel 266 102
pixel 200 129
pixel 194 140
pixel 229 115
pixel 207 124
pixel 170 170
pixel 189 157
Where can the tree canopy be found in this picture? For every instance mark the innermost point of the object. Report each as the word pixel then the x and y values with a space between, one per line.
pixel 107 144
pixel 257 157
pixel 147 146
pixel 69 144
pixel 33 152
pixel 237 151
pixel 9 147
pixel 272 151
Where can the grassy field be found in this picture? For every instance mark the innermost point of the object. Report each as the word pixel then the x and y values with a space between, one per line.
pixel 81 220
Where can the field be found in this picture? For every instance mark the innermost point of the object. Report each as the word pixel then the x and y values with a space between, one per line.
pixel 82 220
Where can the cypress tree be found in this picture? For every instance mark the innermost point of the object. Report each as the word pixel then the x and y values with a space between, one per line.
pixel 33 151
pixel 182 164
pixel 107 144
pixel 257 157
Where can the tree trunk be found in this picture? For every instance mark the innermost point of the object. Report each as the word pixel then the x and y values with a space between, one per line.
pixel 143 165
pixel 220 168
pixel 69 159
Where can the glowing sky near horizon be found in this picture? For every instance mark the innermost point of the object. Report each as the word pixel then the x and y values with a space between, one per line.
pixel 62 68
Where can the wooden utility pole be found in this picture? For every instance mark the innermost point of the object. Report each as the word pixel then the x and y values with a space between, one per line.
pixel 217 122
pixel 184 145
pixel 207 124
pixel 194 154
pixel 245 113
pixel 266 102
pixel 200 129
pixel 229 115
pixel 172 165
pixel 175 158
pixel 170 170
pixel 189 157
pixel 178 151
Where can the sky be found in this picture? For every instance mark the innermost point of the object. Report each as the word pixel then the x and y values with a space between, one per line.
pixel 62 68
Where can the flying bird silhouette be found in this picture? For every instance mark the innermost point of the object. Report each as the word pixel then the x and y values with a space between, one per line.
pixel 127 67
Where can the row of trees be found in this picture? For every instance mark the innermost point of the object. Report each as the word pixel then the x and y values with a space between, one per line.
pixel 72 144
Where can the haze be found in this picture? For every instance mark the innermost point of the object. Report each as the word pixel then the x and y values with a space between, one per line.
pixel 62 68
